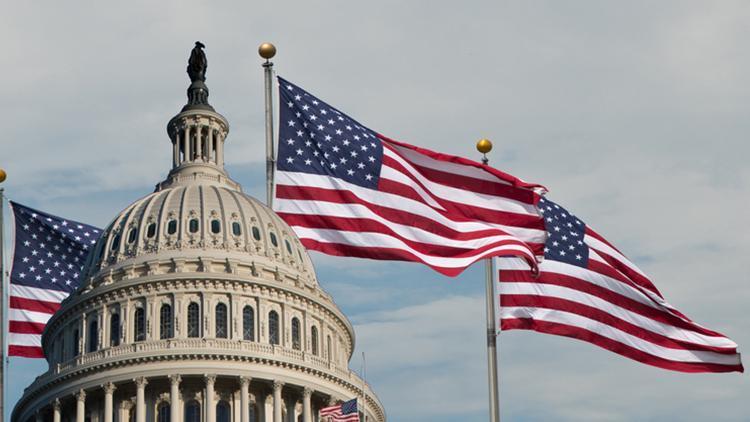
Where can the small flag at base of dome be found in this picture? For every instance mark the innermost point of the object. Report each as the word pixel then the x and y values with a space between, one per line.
pixel 344 412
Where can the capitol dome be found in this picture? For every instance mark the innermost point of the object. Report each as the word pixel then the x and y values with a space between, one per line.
pixel 198 304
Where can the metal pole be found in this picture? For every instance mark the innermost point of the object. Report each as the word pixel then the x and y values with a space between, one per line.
pixel 364 387
pixel 267 51
pixel 484 146
pixel 2 307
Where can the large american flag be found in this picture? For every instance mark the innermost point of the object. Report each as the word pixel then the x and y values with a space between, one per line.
pixel 344 412
pixel 348 190
pixel 48 255
pixel 588 290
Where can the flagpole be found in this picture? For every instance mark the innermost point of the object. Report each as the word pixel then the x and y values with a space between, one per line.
pixel 364 387
pixel 484 146
pixel 2 299
pixel 267 51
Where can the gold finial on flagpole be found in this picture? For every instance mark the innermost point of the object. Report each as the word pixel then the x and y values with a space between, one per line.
pixel 267 50
pixel 484 146
pixel 3 175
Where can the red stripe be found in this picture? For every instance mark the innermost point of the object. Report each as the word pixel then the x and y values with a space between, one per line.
pixel 34 305
pixel 25 327
pixel 391 214
pixel 604 317
pixel 614 346
pixel 631 274
pixel 459 211
pixel 468 184
pixel 366 225
pixel 463 161
pixel 25 351
pixel 584 286
pixel 338 249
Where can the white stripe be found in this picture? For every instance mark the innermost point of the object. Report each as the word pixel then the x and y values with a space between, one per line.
pixel 490 202
pixel 619 336
pixel 446 166
pixel 330 209
pixel 17 339
pixel 28 316
pixel 35 293
pixel 399 203
pixel 646 323
pixel 379 240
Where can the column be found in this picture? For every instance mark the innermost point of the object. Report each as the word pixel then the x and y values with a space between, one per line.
pixel 220 151
pixel 210 405
pixel 186 143
pixel 56 411
pixel 199 143
pixel 174 398
pixel 81 406
pixel 306 407
pixel 277 385
pixel 244 404
pixel 176 150
pixel 210 144
pixel 140 399
pixel 109 388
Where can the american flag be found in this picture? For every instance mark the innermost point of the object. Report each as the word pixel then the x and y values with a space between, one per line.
pixel 347 190
pixel 344 412
pixel 48 255
pixel 588 290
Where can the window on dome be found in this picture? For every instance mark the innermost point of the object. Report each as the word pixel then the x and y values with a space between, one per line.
pixel 273 327
pixel 314 340
pixel 215 226
pixel 193 320
pixel 93 339
pixel 172 227
pixel 114 330
pixel 328 348
pixel 248 323
pixel 165 322
pixel 164 413
pixel 132 234
pixel 139 325
pixel 221 320
pixel 300 255
pixel 151 230
pixel 115 242
pixel 76 343
pixel 296 341
pixel 256 233
pixel 274 241
pixel 288 246
pixel 236 228
pixel 222 411
pixel 192 411
pixel 193 225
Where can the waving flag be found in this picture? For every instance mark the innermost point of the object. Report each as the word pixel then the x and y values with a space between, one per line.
pixel 588 290
pixel 348 190
pixel 48 255
pixel 344 412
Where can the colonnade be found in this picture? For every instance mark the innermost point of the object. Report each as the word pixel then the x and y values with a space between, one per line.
pixel 282 395
pixel 198 143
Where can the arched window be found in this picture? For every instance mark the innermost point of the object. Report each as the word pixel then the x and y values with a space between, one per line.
pixel 151 230
pixel 222 412
pixel 314 340
pixel 256 233
pixel 93 338
pixel 248 323
pixel 165 322
pixel 221 320
pixel 76 343
pixel 132 235
pixel 274 241
pixel 139 324
pixel 273 327
pixel 236 228
pixel 172 227
pixel 193 225
pixel 215 226
pixel 288 246
pixel 192 411
pixel 164 412
pixel 193 320
pixel 115 242
pixel 328 348
pixel 114 330
pixel 296 342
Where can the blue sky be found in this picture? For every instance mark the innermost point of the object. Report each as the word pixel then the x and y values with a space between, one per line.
pixel 634 114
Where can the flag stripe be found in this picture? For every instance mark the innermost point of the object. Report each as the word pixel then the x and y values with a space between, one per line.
pixel 25 351
pixel 25 327
pixel 34 305
pixel 613 346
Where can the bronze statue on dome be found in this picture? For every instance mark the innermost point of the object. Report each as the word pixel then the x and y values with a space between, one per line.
pixel 197 64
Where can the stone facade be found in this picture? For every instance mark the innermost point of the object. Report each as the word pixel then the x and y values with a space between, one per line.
pixel 198 304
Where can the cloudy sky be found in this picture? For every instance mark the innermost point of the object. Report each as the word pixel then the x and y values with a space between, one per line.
pixel 634 114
